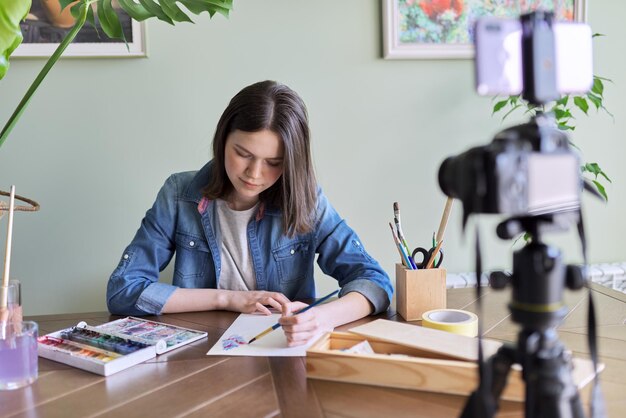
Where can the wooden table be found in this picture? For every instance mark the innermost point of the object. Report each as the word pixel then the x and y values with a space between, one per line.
pixel 187 382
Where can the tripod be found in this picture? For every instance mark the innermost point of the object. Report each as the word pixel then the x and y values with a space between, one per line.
pixel 537 280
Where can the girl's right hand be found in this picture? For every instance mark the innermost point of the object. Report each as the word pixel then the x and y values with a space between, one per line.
pixel 254 301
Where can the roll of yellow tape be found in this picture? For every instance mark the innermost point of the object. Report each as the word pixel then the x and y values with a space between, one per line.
pixel 451 320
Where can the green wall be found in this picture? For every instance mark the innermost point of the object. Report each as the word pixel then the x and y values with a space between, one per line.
pixel 102 135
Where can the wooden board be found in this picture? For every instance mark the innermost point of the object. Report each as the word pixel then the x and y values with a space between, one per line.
pixel 427 339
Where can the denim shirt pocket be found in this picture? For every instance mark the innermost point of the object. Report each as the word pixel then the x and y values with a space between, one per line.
pixel 291 260
pixel 192 257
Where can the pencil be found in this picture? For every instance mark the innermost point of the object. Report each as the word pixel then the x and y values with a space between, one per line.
pixel 432 257
pixel 444 219
pixel 277 325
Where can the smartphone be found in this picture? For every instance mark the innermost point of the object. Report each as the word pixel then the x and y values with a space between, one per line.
pixel 498 58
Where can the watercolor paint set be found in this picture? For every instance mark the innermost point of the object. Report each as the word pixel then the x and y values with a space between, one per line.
pixel 108 348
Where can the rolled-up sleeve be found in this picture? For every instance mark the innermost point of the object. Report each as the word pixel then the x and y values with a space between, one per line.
pixel 134 288
pixel 343 256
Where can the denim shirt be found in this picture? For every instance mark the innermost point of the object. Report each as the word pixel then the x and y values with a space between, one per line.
pixel 184 223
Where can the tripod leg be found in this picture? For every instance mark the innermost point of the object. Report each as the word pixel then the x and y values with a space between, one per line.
pixel 550 389
pixel 483 402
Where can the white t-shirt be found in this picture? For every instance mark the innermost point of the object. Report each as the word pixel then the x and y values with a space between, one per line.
pixel 237 268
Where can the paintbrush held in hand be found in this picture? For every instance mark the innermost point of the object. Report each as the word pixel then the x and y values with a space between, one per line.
pixel 277 325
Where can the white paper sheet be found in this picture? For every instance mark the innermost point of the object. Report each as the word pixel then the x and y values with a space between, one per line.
pixel 245 327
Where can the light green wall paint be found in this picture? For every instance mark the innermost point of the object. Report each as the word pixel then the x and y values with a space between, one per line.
pixel 101 136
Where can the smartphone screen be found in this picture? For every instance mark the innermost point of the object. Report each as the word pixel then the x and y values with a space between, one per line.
pixel 498 59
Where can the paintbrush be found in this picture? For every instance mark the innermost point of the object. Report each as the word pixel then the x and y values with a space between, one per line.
pixel 7 254
pixel 4 290
pixel 401 250
pixel 277 325
pixel 396 219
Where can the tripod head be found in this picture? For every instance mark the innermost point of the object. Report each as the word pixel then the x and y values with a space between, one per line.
pixel 538 276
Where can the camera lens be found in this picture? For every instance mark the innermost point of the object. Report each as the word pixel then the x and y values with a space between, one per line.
pixel 457 173
pixel 446 177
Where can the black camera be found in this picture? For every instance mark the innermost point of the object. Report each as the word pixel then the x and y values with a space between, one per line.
pixel 530 173
pixel 527 169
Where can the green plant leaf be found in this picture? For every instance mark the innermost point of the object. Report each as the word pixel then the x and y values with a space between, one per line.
pixel 498 106
pixel 12 13
pixel 565 127
pixel 603 78
pixel 562 113
pixel 597 101
pixel 74 10
pixel 601 189
pixel 563 101
pixel 598 86
pixel 109 20
pixel 222 7
pixel 581 103
pixel 594 168
pixel 173 11
pixel 156 11
pixel 134 10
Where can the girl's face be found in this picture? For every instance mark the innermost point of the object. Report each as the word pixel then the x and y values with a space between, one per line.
pixel 253 162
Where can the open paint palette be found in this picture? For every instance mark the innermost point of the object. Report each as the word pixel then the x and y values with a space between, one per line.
pixel 114 346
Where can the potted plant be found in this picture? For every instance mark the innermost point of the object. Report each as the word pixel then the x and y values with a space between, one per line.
pixel 12 12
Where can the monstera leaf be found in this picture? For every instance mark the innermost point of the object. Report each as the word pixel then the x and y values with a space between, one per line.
pixel 13 11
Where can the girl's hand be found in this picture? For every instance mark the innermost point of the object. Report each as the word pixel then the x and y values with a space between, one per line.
pixel 300 328
pixel 254 301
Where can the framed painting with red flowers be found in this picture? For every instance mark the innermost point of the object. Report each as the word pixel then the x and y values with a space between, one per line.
pixel 444 28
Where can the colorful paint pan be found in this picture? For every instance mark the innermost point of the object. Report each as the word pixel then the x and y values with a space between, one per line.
pixel 78 350
pixel 104 341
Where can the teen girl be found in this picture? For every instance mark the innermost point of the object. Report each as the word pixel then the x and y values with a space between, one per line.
pixel 246 227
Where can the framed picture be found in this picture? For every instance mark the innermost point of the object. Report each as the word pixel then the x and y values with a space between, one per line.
pixel 46 25
pixel 444 28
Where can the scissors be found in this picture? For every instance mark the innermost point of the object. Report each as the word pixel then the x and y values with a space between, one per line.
pixel 426 255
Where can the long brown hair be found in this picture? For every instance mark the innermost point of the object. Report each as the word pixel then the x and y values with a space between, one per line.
pixel 273 106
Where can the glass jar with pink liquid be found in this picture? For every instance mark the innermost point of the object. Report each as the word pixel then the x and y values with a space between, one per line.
pixel 18 341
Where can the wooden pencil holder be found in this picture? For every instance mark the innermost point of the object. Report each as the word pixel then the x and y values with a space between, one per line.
pixel 419 291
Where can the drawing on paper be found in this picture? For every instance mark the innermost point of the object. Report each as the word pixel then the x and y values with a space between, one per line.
pixel 245 326
pixel 233 341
